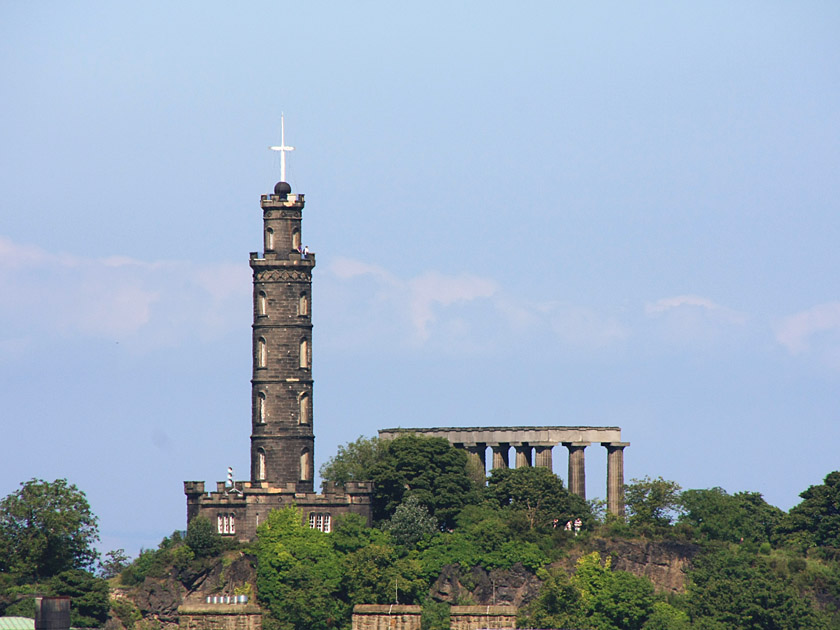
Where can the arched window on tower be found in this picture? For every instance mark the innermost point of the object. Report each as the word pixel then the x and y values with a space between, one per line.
pixel 305 464
pixel 260 472
pixel 305 414
pixel 303 304
pixel 261 352
pixel 304 353
pixel 296 239
pixel 261 407
pixel 269 239
pixel 261 303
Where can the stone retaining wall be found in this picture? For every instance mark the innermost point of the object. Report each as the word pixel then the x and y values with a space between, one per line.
pixel 396 617
pixel 220 617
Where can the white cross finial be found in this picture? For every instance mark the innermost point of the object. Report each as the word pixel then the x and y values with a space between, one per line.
pixel 283 149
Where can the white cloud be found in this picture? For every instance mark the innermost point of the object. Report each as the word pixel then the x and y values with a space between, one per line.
pixel 458 312
pixel 697 303
pixel 415 304
pixel 433 290
pixel 796 332
pixel 147 304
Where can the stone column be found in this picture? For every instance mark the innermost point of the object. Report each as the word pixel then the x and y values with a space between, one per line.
pixel 500 455
pixel 542 456
pixel 615 476
pixel 523 455
pixel 577 469
pixel 475 455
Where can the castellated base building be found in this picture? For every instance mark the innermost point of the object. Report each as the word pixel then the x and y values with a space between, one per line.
pixel 282 411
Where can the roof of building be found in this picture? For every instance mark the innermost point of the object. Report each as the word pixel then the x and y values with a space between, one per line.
pixel 17 623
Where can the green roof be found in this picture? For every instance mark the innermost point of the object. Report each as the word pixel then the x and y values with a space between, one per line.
pixel 17 623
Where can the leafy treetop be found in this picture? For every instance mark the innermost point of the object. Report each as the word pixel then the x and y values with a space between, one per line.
pixel 46 528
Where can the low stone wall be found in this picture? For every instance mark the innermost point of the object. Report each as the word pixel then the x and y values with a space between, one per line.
pixel 396 617
pixel 390 617
pixel 476 617
pixel 220 617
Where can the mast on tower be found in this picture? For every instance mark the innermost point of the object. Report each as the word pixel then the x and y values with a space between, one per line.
pixel 283 149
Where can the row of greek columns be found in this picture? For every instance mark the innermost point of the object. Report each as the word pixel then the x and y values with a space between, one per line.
pixel 540 455
pixel 533 447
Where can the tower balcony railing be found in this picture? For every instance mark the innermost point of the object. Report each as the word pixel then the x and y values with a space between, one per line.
pixel 294 256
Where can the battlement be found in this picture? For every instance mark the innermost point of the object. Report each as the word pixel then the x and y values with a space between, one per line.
pixel 280 201
pixel 241 491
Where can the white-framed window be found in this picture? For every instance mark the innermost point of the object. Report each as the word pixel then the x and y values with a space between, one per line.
pixel 303 305
pixel 320 521
pixel 261 352
pixel 305 464
pixel 261 303
pixel 226 524
pixel 305 414
pixel 304 353
pixel 269 239
pixel 296 239
pixel 261 407
pixel 260 464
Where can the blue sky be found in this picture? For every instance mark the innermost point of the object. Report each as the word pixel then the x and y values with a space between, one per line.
pixel 543 213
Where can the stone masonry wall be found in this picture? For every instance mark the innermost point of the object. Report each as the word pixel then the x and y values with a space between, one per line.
pixel 219 617
pixel 395 617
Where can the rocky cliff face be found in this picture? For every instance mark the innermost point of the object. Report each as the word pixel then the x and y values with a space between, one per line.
pixel 664 563
pixel 479 586
pixel 157 599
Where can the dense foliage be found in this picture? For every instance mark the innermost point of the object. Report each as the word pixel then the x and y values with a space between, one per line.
pixel 753 566
pixel 427 468
pixel 46 528
pixel 47 538
pixel 353 462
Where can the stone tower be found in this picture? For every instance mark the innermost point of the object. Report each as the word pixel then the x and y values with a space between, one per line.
pixel 282 435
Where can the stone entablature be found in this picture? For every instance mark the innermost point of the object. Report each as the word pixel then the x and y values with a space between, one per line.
pixel 513 436
pixel 219 617
pixel 533 446
pixel 398 617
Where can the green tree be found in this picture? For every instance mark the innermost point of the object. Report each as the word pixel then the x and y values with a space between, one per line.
pixel 652 502
pixel 558 604
pixel 816 519
pixel 374 572
pixel 114 563
pixel 736 589
pixel 594 597
pixel 612 600
pixel 203 539
pixel 720 516
pixel 89 601
pixel 353 462
pixel 46 528
pixel 411 522
pixel 428 468
pixel 299 574
pixel 537 493
pixel 667 617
